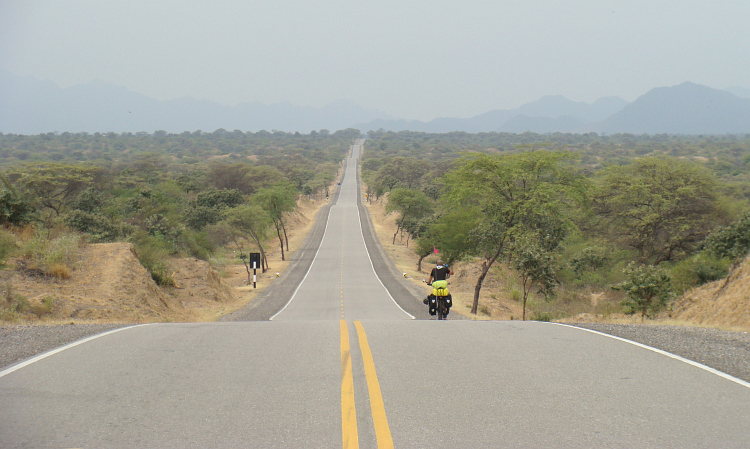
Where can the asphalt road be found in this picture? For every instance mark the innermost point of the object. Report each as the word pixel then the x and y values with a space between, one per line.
pixel 343 364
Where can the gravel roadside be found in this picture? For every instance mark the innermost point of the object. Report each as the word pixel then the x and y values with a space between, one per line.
pixel 725 351
pixel 20 342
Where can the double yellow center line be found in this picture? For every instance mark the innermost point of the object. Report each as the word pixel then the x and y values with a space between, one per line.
pixel 350 437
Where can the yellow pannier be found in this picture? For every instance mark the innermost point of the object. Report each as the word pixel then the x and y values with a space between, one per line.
pixel 440 288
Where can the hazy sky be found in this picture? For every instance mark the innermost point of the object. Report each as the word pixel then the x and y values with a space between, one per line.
pixel 415 59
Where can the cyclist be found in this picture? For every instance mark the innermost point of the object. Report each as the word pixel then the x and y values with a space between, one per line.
pixel 440 300
pixel 440 273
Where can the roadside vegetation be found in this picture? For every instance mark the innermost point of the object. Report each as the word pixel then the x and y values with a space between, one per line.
pixel 638 220
pixel 211 196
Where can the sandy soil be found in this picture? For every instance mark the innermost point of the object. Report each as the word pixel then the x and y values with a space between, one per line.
pixel 109 285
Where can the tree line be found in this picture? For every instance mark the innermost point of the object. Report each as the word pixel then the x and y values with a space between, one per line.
pixel 561 224
pixel 191 194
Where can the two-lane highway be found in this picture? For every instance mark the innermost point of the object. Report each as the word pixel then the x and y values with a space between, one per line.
pixel 342 365
pixel 341 283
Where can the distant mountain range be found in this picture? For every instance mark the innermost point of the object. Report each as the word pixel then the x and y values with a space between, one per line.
pixel 684 109
pixel 30 106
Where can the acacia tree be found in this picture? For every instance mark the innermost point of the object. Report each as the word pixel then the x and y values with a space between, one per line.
pixel 278 201
pixel 661 207
pixel 250 222
pixel 54 185
pixel 412 205
pixel 449 233
pixel 514 196
pixel 534 265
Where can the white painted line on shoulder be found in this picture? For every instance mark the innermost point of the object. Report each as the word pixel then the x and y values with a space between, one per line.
pixel 362 233
pixel 62 348
pixel 668 354
pixel 325 231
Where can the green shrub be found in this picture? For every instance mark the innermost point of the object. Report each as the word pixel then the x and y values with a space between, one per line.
pixel 7 246
pixel 53 257
pixel 648 289
pixel 153 254
pixel 542 316
pixel 698 270
pixel 14 209
pixel 198 245
pixel 96 225
pixel 732 241
pixel 589 259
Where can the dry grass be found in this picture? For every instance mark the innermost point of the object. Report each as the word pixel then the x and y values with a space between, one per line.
pixel 724 303
pixel 109 284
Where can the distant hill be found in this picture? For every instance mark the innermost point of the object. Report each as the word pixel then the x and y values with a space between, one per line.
pixel 741 92
pixel 548 114
pixel 30 106
pixel 543 125
pixel 684 109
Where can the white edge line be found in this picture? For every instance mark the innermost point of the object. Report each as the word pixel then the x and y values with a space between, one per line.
pixel 362 233
pixel 325 231
pixel 62 348
pixel 668 354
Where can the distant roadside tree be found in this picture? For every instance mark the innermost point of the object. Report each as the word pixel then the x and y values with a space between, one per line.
pixel 54 185
pixel 412 205
pixel 249 222
pixel 661 207
pixel 230 176
pixel 514 196
pixel 277 202
pixel 535 267
pixel 449 233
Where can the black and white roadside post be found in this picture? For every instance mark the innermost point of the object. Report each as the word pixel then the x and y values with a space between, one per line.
pixel 255 261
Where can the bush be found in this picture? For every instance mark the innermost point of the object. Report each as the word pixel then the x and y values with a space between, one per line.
pixel 152 253
pixel 53 257
pixel 648 289
pixel 13 209
pixel 96 225
pixel 698 270
pixel 542 316
pixel 589 259
pixel 7 246
pixel 732 241
pixel 198 245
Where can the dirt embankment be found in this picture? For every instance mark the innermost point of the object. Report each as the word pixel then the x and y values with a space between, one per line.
pixel 109 285
pixel 720 303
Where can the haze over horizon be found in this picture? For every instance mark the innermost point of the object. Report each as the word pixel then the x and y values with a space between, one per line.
pixel 415 60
